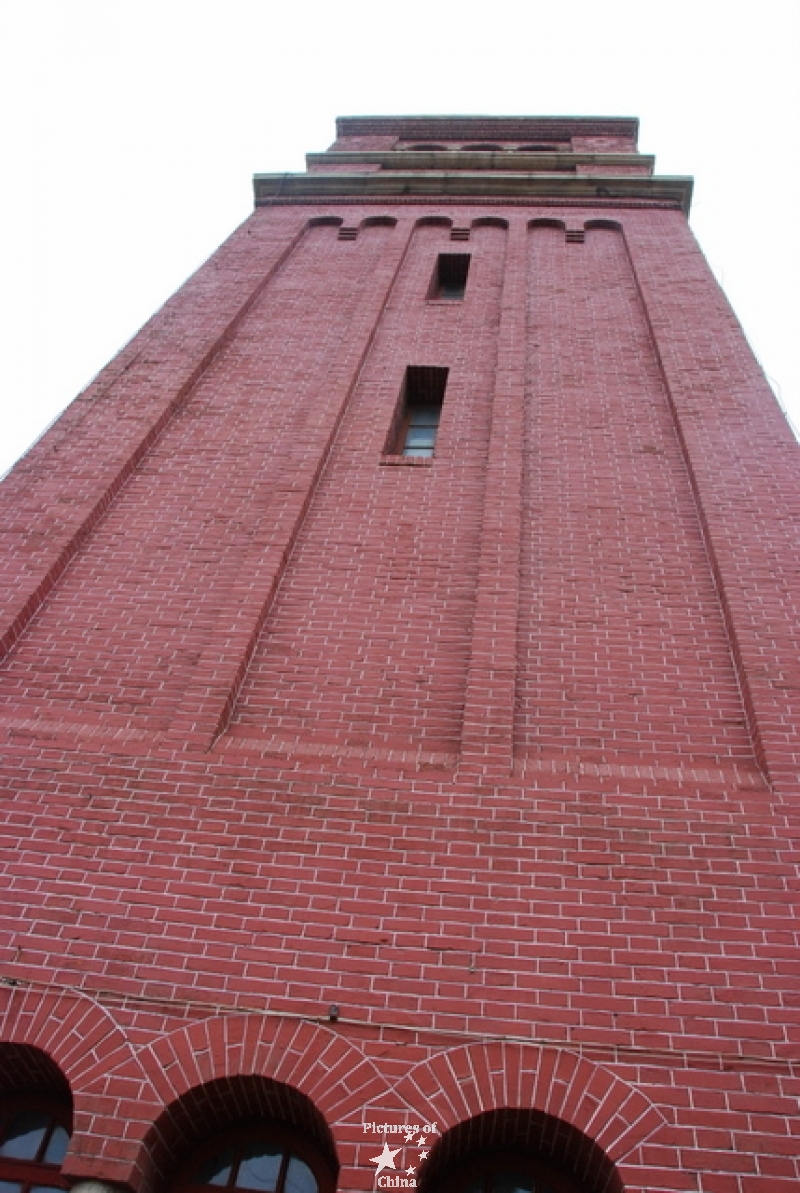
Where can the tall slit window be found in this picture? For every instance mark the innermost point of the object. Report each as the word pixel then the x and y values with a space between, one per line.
pixel 417 421
pixel 450 276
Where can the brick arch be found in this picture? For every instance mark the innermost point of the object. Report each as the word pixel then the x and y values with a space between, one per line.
pixel 379 221
pixel 316 1061
pixel 325 221
pixel 464 1083
pixel 490 221
pixel 208 1111
pixel 434 221
pixel 122 1143
pixel 78 1035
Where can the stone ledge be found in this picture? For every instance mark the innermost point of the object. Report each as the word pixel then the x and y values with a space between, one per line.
pixel 677 191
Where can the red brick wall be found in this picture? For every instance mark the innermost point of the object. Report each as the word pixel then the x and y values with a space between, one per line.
pixel 499 754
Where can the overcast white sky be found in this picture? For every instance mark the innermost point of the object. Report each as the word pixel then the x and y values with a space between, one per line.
pixel 131 130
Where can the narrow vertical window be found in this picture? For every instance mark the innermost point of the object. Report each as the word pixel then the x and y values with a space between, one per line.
pixel 450 276
pixel 416 421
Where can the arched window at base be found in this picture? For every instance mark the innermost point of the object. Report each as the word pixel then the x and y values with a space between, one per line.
pixel 242 1134
pixel 35 1121
pixel 517 1151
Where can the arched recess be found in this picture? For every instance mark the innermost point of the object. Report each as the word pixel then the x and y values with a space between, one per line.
pixel 214 1108
pixel 430 221
pixel 379 221
pixel 546 222
pixel 322 221
pixel 465 1083
pixel 609 225
pixel 490 221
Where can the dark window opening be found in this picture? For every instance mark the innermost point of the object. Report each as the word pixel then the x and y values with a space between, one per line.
pixel 508 1173
pixel 33 1142
pixel 263 1159
pixel 416 422
pixel 450 276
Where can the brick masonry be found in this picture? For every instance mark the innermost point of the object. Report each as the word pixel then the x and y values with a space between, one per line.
pixel 497 753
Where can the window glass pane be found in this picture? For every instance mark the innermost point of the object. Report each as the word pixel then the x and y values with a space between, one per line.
pixel 25 1134
pixel 57 1146
pixel 10 1187
pixel 425 416
pixel 427 452
pixel 216 1170
pixel 299 1178
pixel 421 437
pixel 259 1167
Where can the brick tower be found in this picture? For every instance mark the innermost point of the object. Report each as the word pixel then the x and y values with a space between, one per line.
pixel 400 703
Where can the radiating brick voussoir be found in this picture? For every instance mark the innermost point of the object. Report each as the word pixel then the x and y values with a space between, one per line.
pixel 80 1036
pixel 460 1083
pixel 332 1073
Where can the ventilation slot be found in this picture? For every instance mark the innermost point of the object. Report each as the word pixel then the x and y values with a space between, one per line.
pixel 575 236
pixel 459 233
pixel 347 233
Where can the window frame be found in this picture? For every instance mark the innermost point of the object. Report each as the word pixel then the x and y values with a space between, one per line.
pixel 423 386
pixel 290 1142
pixel 30 1173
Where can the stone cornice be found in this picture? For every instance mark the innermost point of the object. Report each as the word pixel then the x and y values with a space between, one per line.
pixel 448 159
pixel 675 191
pixel 502 128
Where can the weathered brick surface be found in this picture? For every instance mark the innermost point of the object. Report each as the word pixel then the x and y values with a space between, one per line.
pixel 498 754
